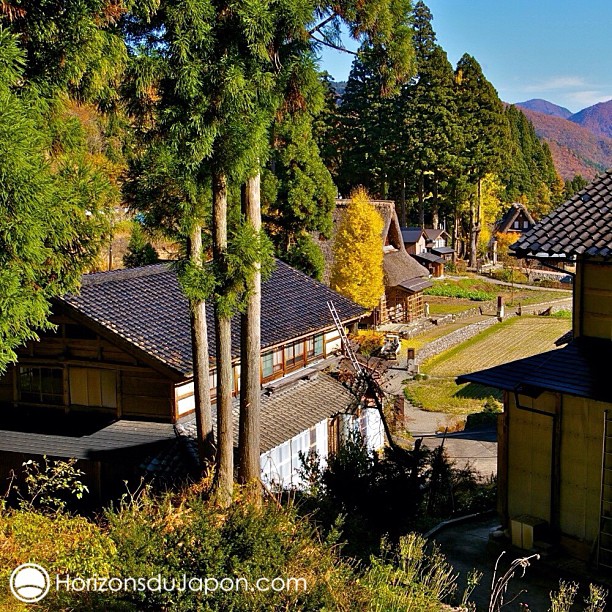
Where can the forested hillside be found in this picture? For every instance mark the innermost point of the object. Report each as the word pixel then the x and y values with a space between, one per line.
pixel 597 119
pixel 575 149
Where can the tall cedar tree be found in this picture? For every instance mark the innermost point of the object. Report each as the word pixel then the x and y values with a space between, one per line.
pixel 357 270
pixel 221 77
pixel 50 222
pixel 427 118
pixel 298 193
pixel 72 46
pixel 485 130
pixel 368 132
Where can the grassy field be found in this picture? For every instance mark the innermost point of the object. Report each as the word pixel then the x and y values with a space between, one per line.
pixel 513 339
pixel 439 305
pixel 444 395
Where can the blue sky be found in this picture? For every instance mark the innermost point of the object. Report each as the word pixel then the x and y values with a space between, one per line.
pixel 558 50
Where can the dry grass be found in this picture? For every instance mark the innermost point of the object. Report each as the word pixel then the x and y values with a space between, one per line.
pixel 514 339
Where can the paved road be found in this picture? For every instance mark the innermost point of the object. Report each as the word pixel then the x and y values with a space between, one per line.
pixel 467 546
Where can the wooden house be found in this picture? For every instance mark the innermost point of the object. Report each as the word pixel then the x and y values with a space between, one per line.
pixel 555 435
pixel 405 278
pixel 419 243
pixel 516 220
pixel 414 239
pixel 112 385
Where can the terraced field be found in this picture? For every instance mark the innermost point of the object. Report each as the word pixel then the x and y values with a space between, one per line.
pixel 514 339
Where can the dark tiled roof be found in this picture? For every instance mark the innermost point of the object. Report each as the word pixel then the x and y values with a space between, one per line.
pixel 428 258
pixel 146 307
pixel 581 368
pixel 290 410
pixel 581 226
pixel 443 250
pixel 511 214
pixel 410 235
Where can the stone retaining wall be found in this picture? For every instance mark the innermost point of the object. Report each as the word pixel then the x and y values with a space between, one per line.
pixel 469 331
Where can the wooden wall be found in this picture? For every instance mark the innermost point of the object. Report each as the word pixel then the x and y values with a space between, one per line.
pixel 557 480
pixel 99 376
pixel 593 299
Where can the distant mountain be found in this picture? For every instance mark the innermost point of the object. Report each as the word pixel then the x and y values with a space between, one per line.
pixel 597 119
pixel 575 149
pixel 339 87
pixel 546 108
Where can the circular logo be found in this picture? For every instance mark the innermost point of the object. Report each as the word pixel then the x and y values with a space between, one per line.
pixel 30 583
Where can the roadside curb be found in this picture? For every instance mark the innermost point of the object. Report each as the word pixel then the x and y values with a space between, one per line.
pixel 457 521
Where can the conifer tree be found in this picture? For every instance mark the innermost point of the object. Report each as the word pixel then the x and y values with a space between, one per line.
pixel 357 271
pixel 51 214
pixel 486 133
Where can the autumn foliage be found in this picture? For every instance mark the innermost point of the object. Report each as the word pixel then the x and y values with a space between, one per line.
pixel 357 271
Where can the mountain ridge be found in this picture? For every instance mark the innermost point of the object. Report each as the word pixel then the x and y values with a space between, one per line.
pixel 574 147
pixel 545 107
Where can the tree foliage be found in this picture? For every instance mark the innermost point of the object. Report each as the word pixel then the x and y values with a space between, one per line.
pixel 357 271
pixel 53 202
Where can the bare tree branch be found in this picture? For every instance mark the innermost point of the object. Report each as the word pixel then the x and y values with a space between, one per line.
pixel 333 46
pixel 323 23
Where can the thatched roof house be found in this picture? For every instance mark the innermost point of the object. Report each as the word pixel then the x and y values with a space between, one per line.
pixel 405 278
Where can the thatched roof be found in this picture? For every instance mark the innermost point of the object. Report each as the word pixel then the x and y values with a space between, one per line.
pixel 398 266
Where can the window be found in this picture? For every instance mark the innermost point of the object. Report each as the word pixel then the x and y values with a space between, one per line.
pixel 314 346
pixel 294 354
pixel 271 363
pixel 267 365
pixel 517 225
pixel 41 385
pixel 525 224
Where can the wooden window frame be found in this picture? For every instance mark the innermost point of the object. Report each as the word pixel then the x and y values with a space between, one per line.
pixel 44 398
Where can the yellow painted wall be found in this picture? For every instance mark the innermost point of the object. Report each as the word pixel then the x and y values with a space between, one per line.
pixel 581 452
pixel 594 292
pixel 529 462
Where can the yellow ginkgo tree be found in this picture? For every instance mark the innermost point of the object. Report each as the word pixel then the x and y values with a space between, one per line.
pixel 357 271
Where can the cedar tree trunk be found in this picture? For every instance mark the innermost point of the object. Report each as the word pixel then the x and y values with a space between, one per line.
pixel 223 334
pixel 249 469
pixel 199 344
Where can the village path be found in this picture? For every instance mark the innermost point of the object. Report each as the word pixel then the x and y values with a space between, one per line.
pixel 494 281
